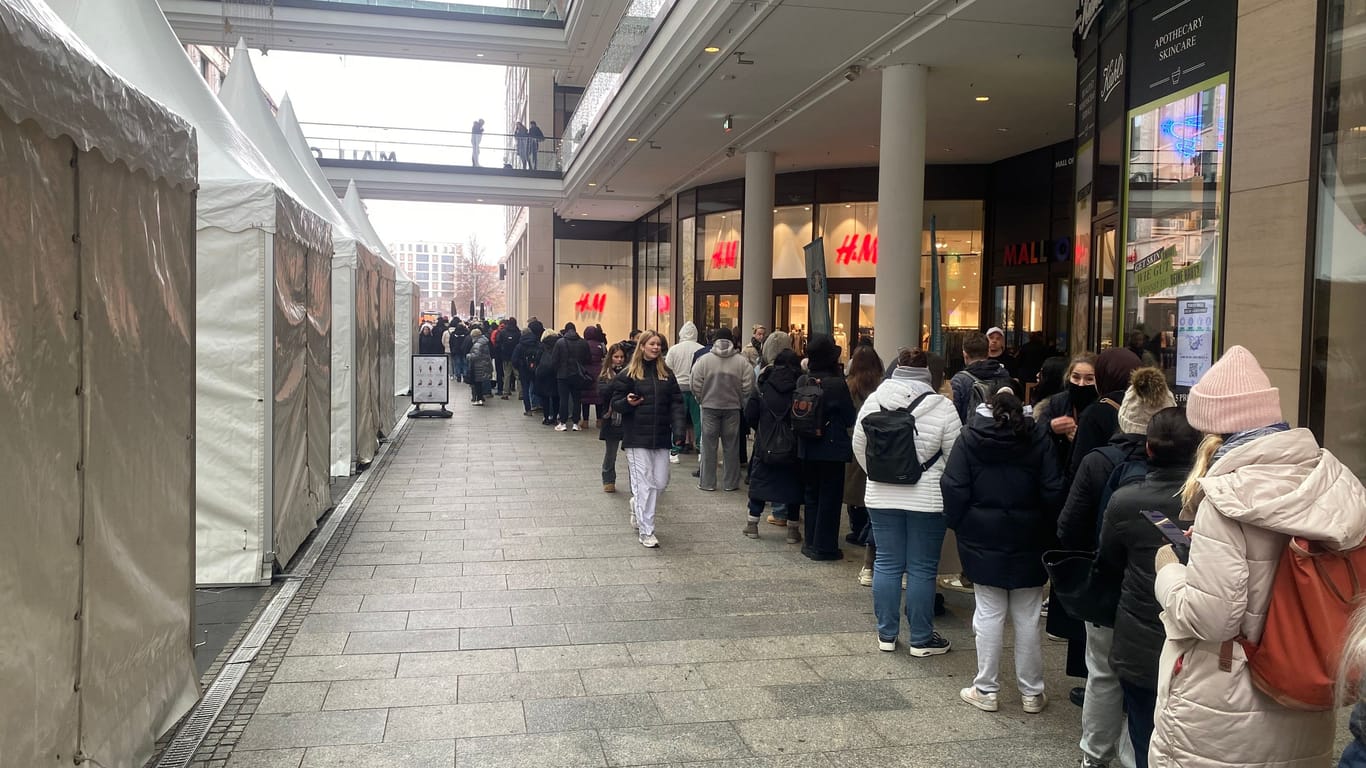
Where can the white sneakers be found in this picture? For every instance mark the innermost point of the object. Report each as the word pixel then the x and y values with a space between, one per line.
pixel 988 702
pixel 865 577
pixel 561 428
pixel 984 701
pixel 886 646
pixel 673 458
pixel 649 541
pixel 575 427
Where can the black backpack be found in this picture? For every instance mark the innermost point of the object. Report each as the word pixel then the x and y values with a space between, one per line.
pixel 890 452
pixel 774 441
pixel 983 389
pixel 808 417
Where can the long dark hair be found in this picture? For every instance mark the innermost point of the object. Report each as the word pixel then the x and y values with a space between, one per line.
pixel 1050 378
pixel 865 372
pixel 1007 411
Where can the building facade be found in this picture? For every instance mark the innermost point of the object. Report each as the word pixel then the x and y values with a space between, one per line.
pixel 432 266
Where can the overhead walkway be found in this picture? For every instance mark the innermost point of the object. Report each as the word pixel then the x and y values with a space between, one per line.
pixel 426 165
pixel 418 29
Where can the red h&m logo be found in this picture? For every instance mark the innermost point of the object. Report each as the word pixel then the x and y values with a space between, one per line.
pixel 662 303
pixel 591 302
pixel 852 250
pixel 726 255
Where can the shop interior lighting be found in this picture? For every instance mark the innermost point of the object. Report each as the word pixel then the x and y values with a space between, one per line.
pixel 711 49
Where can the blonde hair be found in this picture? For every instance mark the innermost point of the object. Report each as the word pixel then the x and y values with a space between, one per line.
pixel 1353 661
pixel 636 368
pixel 1088 358
pixel 1204 458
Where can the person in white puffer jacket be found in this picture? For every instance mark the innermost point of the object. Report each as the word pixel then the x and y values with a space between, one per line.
pixel 908 520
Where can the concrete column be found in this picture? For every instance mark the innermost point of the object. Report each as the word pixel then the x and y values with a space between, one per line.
pixel 756 299
pixel 901 208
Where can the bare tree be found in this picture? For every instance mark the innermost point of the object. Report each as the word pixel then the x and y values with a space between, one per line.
pixel 477 280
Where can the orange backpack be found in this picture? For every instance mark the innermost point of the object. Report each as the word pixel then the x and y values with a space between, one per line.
pixel 1312 599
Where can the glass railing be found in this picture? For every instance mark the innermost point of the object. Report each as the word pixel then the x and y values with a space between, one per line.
pixel 628 42
pixel 494 9
pixel 331 141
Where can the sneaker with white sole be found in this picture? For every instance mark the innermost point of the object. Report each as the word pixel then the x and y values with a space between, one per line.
pixel 561 428
pixel 886 646
pixel 984 701
pixel 935 646
pixel 673 458
pixel 649 541
pixel 575 427
pixel 1033 705
pixel 865 577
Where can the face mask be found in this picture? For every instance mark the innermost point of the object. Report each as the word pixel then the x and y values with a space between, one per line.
pixel 1082 395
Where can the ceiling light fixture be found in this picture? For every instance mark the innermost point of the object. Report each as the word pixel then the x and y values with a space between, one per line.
pixel 727 123
pixel 711 49
pixel 479 55
pixel 632 139
pixel 853 72
pixel 592 183
pixel 983 98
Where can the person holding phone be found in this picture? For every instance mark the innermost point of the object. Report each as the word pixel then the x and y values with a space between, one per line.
pixel 1129 538
pixel 647 396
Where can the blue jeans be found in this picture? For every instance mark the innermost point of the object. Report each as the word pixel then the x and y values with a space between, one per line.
pixel 459 365
pixel 907 542
pixel 528 393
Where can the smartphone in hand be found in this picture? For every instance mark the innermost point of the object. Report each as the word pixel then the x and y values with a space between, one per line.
pixel 1181 543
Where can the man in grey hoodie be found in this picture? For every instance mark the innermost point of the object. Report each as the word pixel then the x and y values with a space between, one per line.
pixel 721 381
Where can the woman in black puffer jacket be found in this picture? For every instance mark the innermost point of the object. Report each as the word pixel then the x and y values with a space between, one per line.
pixel 776 479
pixel 1002 491
pixel 647 396
pixel 610 432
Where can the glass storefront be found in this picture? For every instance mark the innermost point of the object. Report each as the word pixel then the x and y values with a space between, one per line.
pixel 720 251
pixel 792 229
pixel 654 272
pixel 1336 408
pixel 1174 216
pixel 593 285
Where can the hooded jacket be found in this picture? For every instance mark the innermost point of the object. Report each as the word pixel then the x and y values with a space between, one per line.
pixel 508 339
pixel 722 379
pixel 777 483
pixel 991 371
pixel 1079 523
pixel 1002 492
pixel 1128 543
pixel 936 429
pixel 569 350
pixel 1252 500
pixel 527 352
pixel 480 359
pixel 837 407
pixel 775 343
pixel 679 357
pixel 596 352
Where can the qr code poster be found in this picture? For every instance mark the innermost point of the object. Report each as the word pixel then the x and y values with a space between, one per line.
pixel 1194 339
pixel 431 382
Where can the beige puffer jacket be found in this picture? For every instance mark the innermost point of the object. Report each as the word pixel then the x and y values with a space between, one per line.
pixel 1254 498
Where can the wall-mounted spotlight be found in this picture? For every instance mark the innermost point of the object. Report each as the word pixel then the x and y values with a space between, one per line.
pixel 728 123
pixel 853 72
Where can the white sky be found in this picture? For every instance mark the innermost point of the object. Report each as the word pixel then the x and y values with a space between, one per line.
pixel 360 90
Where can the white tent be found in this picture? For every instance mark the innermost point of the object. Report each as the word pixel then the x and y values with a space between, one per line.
pixel 254 241
pixel 355 325
pixel 97 404
pixel 386 290
pixel 242 96
pixel 407 299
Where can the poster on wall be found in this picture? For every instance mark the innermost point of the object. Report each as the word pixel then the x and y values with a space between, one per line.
pixel 431 381
pixel 817 290
pixel 1194 338
pixel 1178 43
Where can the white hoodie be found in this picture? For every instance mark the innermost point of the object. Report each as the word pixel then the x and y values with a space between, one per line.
pixel 679 357
pixel 937 426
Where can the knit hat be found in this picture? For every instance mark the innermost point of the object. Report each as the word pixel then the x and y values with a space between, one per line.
pixel 1234 395
pixel 1147 394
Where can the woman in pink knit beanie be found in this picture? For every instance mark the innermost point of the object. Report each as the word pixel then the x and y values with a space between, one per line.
pixel 1256 482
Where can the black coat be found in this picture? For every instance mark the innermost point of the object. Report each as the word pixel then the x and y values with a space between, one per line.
pixel 545 368
pixel 1079 523
pixel 429 344
pixel 654 422
pixel 570 349
pixel 836 443
pixel 1001 497
pixel 1095 428
pixel 508 339
pixel 608 431
pixel 528 349
pixel 777 483
pixel 1128 543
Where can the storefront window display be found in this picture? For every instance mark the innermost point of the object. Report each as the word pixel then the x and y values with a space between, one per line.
pixel 792 227
pixel 593 280
pixel 1336 408
pixel 850 234
pixel 1173 228
pixel 721 247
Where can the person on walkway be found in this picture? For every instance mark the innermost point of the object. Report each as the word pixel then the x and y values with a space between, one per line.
pixel 679 359
pixel 997 350
pixel 1050 382
pixel 525 356
pixel 610 431
pixel 1002 491
pixel 519 138
pixel 908 520
pixel 534 137
pixel 865 374
pixel 1128 543
pixel 824 456
pixel 547 385
pixel 1255 483
pixel 570 358
pixel 975 384
pixel 1114 367
pixel 775 473
pixel 476 138
pixel 1064 410
pixel 480 366
pixel 647 396
pixel 505 347
pixel 754 350
pixel 597 355
pixel 459 344
pixel 721 382
pixel 427 343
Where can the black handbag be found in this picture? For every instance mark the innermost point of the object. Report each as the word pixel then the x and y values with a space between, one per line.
pixel 1075 584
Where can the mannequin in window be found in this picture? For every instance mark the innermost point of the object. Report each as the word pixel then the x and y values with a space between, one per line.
pixel 842 339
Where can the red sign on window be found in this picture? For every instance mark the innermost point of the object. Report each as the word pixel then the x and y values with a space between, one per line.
pixel 857 250
pixel 591 302
pixel 726 255
pixel 662 303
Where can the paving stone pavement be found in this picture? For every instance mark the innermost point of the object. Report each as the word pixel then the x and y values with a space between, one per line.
pixel 487 606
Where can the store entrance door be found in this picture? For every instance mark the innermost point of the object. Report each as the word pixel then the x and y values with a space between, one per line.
pixel 1018 309
pixel 718 310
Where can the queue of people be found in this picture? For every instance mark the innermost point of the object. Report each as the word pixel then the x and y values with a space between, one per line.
pixel 1179 516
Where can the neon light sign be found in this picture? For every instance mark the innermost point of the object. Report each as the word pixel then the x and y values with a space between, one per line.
pixel 726 255
pixel 591 302
pixel 858 250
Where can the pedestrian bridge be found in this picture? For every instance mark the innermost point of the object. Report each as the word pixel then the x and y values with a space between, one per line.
pixel 417 29
pixel 427 165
